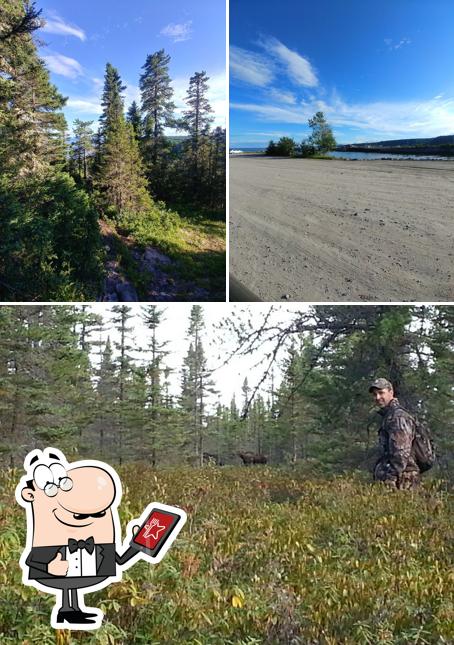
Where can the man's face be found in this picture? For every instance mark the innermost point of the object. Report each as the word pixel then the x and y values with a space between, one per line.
pixel 81 511
pixel 382 397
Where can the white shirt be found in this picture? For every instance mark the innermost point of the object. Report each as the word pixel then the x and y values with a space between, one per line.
pixel 81 563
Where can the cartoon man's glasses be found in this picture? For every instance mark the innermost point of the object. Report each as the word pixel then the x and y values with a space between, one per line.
pixel 64 483
pixel 51 478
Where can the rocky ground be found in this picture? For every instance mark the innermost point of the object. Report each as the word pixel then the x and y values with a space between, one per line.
pixel 156 271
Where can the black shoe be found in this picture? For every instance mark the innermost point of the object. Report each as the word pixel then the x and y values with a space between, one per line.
pixel 74 617
pixel 84 614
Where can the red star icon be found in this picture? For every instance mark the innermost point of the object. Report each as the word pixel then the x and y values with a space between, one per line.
pixel 149 527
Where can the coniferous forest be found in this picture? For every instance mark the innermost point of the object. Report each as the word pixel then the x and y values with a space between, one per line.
pixel 113 210
pixel 85 382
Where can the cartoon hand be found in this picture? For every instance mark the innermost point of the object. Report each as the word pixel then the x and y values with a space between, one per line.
pixel 58 566
pixel 135 529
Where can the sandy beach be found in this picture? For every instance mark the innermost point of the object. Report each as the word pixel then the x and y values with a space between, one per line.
pixel 325 230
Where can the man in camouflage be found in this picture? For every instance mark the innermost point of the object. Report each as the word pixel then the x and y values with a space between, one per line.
pixel 396 466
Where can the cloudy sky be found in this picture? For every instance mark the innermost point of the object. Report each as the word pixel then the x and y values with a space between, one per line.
pixel 81 37
pixel 378 70
pixel 217 344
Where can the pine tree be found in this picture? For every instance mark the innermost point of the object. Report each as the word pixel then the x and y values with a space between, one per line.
pixel 157 105
pixel 197 120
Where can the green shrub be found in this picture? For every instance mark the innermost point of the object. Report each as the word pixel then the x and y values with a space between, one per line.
pixel 50 247
pixel 150 226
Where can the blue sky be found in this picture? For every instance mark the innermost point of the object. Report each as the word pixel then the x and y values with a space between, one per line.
pixel 81 37
pixel 377 69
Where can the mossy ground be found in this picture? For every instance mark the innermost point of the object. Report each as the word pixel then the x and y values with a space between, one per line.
pixel 268 555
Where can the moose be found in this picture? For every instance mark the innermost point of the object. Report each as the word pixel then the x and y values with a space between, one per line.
pixel 249 458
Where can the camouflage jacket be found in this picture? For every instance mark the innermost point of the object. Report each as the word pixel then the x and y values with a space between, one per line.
pixel 395 436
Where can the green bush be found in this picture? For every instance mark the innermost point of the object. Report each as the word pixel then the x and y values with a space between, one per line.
pixel 150 226
pixel 50 248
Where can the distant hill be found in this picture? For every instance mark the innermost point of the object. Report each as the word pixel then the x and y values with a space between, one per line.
pixel 177 139
pixel 443 146
pixel 434 141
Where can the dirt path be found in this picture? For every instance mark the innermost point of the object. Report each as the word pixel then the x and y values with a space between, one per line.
pixel 153 269
pixel 316 230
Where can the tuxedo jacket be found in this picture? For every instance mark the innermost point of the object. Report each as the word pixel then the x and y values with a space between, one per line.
pixel 106 560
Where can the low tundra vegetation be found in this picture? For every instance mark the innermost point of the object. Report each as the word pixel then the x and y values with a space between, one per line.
pixel 268 555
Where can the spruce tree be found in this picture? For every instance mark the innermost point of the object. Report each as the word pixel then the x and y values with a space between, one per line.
pixel 135 119
pixel 120 176
pixel 82 148
pixel 153 317
pixel 112 100
pixel 32 126
pixel 196 384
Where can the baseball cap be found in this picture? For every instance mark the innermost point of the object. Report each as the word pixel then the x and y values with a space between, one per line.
pixel 380 384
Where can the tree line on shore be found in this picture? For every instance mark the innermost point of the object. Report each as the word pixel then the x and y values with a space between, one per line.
pixel 319 142
pixel 53 190
pixel 65 383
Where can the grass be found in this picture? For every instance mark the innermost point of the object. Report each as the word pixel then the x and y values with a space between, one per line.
pixel 195 242
pixel 267 556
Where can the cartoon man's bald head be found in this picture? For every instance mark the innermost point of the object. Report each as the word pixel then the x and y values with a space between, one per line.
pixel 68 501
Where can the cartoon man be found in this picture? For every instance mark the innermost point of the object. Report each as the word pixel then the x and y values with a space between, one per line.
pixel 73 531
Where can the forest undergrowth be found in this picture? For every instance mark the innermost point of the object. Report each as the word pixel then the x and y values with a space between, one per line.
pixel 268 556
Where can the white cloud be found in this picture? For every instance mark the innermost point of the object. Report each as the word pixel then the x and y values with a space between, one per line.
pixel 178 32
pixel 401 43
pixel 250 67
pixel 63 65
pixel 298 68
pixel 56 25
pixel 382 118
pixel 282 96
pixel 90 105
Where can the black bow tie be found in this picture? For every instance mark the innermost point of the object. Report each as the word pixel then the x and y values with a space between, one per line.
pixel 88 544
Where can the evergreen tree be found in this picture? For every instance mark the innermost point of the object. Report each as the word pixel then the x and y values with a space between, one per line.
pixel 125 368
pixel 32 125
pixel 134 118
pixel 215 188
pixel 196 384
pixel 112 100
pixel 82 148
pixel 157 105
pixel 104 428
pixel 120 175
pixel 197 120
pixel 152 316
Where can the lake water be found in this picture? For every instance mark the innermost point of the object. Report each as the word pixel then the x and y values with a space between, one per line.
pixel 386 155
pixel 360 155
